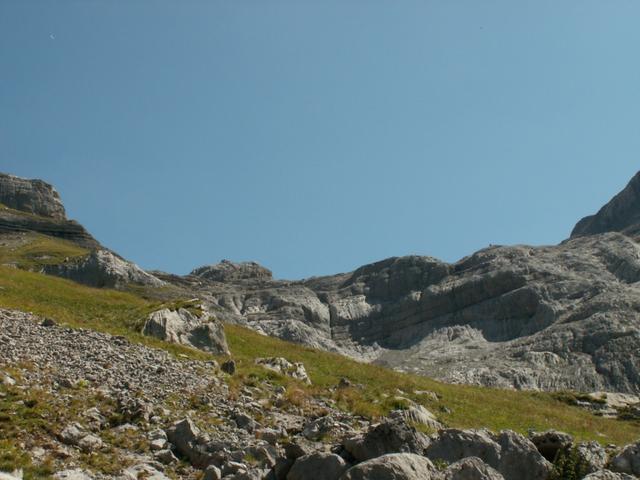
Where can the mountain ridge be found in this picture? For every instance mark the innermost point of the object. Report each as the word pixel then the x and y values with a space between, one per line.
pixel 550 317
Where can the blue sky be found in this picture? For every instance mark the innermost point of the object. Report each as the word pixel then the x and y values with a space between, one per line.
pixel 316 136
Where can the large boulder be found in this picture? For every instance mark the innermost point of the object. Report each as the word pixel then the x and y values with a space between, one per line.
pixel 187 328
pixel 549 443
pixel 102 268
pixel 394 466
pixel 417 415
pixel 515 457
pixel 471 468
pixel 627 461
pixel 592 456
pixel 317 466
pixel 189 442
pixel 390 436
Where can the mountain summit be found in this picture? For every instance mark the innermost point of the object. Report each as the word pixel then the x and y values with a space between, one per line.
pixel 621 214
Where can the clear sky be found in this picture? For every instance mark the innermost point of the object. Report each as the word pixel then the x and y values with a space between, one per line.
pixel 316 136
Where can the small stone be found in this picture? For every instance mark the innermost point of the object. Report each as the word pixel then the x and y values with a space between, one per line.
pixel 90 443
pixel 212 473
pixel 165 457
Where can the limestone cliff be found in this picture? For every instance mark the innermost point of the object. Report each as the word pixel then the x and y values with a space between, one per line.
pixel 31 196
pixel 621 214
pixel 550 317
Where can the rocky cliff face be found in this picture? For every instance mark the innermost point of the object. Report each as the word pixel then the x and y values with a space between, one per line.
pixel 621 214
pixel 35 206
pixel 550 317
pixel 31 196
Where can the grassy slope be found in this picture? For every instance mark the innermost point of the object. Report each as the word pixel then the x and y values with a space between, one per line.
pixel 466 406
pixel 32 250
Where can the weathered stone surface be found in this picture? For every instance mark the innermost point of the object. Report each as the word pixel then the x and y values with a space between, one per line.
pixel 621 214
pixel 418 415
pixel 34 205
pixel 102 268
pixel 549 443
pixel 471 468
pixel 72 434
pixel 608 475
pixel 143 470
pixel 394 466
pixel 285 367
pixel 14 222
pixel 317 466
pixel 515 457
pixel 74 474
pixel 15 475
pixel 555 317
pixel 521 317
pixel 212 473
pixel 184 327
pixel 226 271
pixel 31 196
pixel 391 436
pixel 627 461
pixel 592 455
pixel 185 435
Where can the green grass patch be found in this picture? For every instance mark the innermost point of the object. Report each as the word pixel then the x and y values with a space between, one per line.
pixel 32 251
pixel 72 304
pixel 466 406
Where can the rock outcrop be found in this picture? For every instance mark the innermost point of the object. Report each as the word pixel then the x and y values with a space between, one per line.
pixel 31 196
pixel 471 468
pixel 227 271
pixel 550 317
pixel 621 214
pixel 102 268
pixel 394 466
pixel 285 367
pixel 515 457
pixel 185 327
pixel 553 317
pixel 34 205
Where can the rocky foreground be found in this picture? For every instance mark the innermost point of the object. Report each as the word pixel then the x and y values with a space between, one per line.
pixel 103 407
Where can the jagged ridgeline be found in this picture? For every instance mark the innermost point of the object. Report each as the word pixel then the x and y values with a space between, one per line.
pixel 114 372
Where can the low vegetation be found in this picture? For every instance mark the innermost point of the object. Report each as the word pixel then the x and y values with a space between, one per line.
pixel 368 390
pixel 32 251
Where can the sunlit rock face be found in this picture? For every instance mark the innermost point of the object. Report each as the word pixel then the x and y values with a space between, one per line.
pixel 549 317
pixel 31 196
pixel 35 206
pixel 621 214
